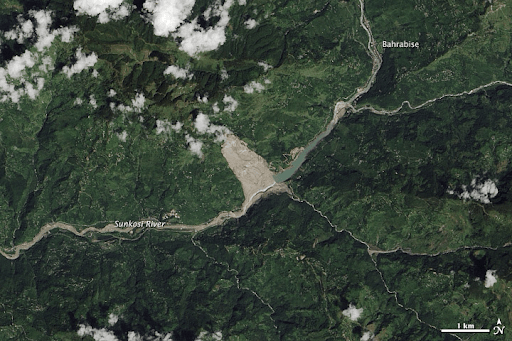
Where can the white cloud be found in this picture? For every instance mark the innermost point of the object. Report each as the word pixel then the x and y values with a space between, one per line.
pixel 196 39
pixel 164 126
pixel 217 336
pixel 121 12
pixel 230 103
pixel 133 336
pixel 177 127
pixel 203 126
pixel 138 102
pixel 161 337
pixel 83 62
pixel 204 99
pixel 265 66
pixel 224 74
pixel 107 335
pixel 352 312
pixel 178 72
pixel 34 92
pixel 96 334
pixel 14 96
pixel 78 101
pixel 31 91
pixel 45 37
pixel 111 93
pixel 267 81
pixel 242 2
pixel 122 137
pixel 250 24
pixel 478 191
pixel 47 64
pixel 194 145
pixel 106 10
pixel 13 78
pixel 40 83
pixel 92 101
pixel 27 27
pixel 66 33
pixel 202 123
pixel 167 15
pixel 123 108
pixel 113 318
pixel 253 86
pixel 18 64
pixel 208 13
pixel 23 31
pixel 490 278
pixel 215 107
pixel 367 336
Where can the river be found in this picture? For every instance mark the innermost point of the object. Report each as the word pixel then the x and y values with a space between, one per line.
pixel 340 108
pixel 301 157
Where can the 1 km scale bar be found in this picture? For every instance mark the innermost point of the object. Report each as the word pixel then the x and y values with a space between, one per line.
pixel 465 330
pixel 498 329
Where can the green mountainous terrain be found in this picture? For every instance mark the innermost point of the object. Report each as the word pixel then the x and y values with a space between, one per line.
pixel 398 223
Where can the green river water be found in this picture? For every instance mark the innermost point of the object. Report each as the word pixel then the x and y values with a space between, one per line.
pixel 288 172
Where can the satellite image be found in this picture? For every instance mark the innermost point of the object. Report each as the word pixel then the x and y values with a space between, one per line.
pixel 205 170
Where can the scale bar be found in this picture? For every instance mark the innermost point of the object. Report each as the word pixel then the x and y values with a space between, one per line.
pixel 465 330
